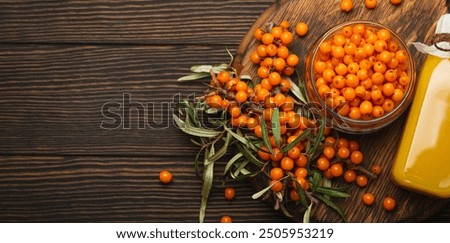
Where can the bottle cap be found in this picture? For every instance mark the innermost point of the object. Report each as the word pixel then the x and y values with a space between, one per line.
pixel 441 40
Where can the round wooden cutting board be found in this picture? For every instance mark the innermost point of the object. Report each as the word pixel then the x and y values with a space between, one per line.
pixel 413 21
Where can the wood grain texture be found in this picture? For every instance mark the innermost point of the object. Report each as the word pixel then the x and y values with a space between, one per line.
pixel 138 21
pixel 115 189
pixel 413 21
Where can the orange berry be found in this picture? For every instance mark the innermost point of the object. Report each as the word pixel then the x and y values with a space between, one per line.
pixel 267 38
pixel 165 177
pixel 323 163
pixel 241 96
pixel 286 38
pixel 293 195
pixel 329 152
pixel 285 24
pixel 229 193
pixel 301 172
pixel 368 198
pixel 223 76
pixel 356 157
pixel 370 4
pixel 276 173
pixel 226 219
pixel 361 180
pixel 302 161
pixel 343 153
pixel 276 186
pixel 287 163
pixel 349 176
pixel 396 2
pixel 292 60
pixel 258 34
pixel 346 5
pixel 277 155
pixel 376 169
pixel 336 170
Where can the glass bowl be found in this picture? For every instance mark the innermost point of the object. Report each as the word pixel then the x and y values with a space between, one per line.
pixel 369 63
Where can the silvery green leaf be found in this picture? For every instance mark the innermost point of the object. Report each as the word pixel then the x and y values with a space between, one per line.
pixel 208 174
pixel 265 134
pixel 231 162
pixel 235 135
pixel 246 77
pixel 296 91
pixel 332 205
pixel 296 140
pixel 195 131
pixel 217 69
pixel 307 214
pixel 262 192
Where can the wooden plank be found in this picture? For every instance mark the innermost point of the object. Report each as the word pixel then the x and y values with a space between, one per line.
pixel 413 21
pixel 52 97
pixel 115 189
pixel 137 21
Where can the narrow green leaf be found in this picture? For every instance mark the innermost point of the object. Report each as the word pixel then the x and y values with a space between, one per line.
pixel 307 214
pixel 246 77
pixel 265 134
pixel 262 192
pixel 231 162
pixel 217 69
pixel 332 205
pixel 195 131
pixel 276 127
pixel 222 151
pixel 285 211
pixel 315 180
pixel 239 168
pixel 318 138
pixel 208 174
pixel 331 192
pixel 296 140
pixel 296 91
pixel 301 193
pixel 327 183
pixel 194 76
pixel 201 68
pixel 246 174
pixel 196 162
pixel 235 135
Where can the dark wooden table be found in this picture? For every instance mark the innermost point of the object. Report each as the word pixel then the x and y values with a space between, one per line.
pixel 64 62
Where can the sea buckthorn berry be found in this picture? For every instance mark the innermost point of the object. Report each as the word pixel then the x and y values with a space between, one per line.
pixel 241 96
pixel 368 198
pixel 302 161
pixel 301 29
pixel 323 163
pixel 285 86
pixel 361 180
pixel 356 157
pixel 370 4
pixel 282 52
pixel 287 163
pixel 229 193
pixel 285 24
pixel 293 195
pixel 261 50
pixel 346 5
pixel 264 153
pixel 277 155
pixel 292 60
pixel 276 186
pixel 294 152
pixel 271 50
pixel 215 101
pixel 223 76
pixel 301 172
pixel 343 153
pixel 398 95
pixel 274 78
pixel 277 31
pixel 389 203
pixel 165 177
pixel 353 146
pixel 304 184
pixel 267 38
pixel 388 105
pixel 258 34
pixel 349 176
pixel 378 111
pixel 276 173
pixel 279 64
pixel 226 219
pixel 375 169
pixel 255 58
pixel 325 47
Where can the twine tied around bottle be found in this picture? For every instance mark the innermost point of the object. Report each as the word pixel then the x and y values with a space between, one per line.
pixel 440 38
